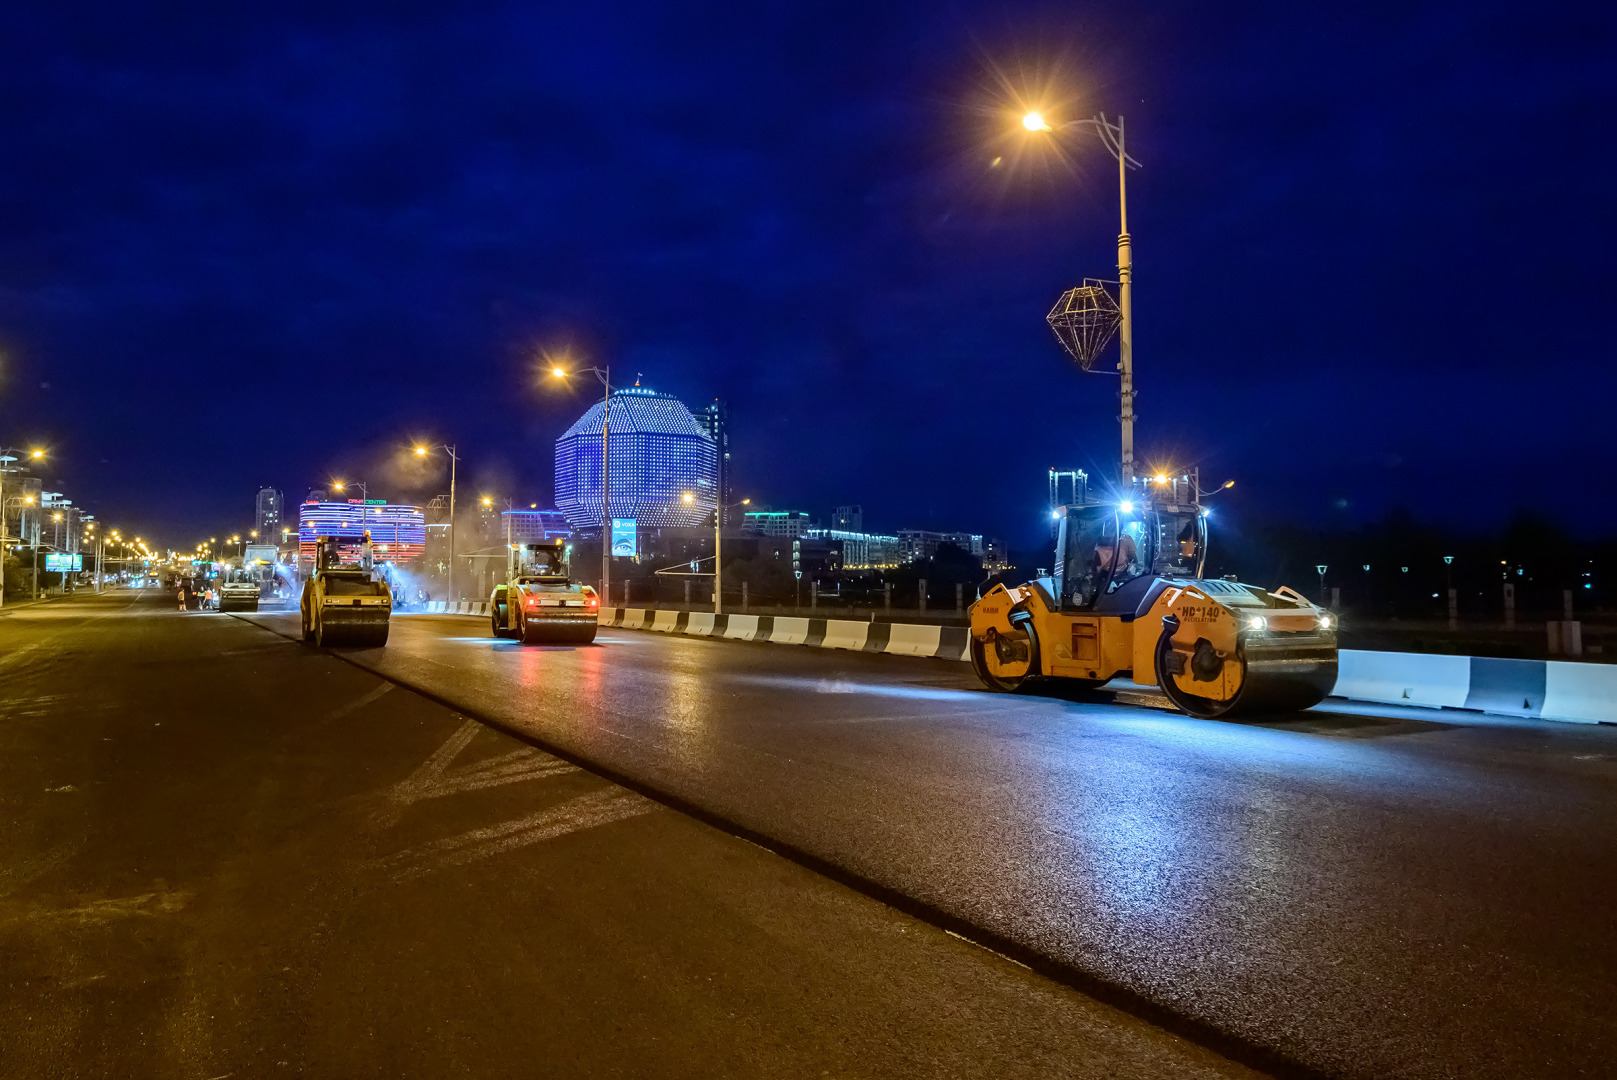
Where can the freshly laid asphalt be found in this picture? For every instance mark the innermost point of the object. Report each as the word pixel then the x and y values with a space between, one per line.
pixel 1355 892
pixel 226 854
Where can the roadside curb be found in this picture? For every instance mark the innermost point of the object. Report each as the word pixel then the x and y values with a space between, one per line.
pixel 10 609
pixel 1561 690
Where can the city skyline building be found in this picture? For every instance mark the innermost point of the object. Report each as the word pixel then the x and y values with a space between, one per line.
pixel 862 550
pixel 269 512
pixel 787 523
pixel 848 518
pixel 923 543
pixel 659 453
pixel 715 420
pixel 533 526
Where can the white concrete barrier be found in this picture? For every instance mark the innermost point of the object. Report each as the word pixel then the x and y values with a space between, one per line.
pixel 1404 678
pixel 700 624
pixel 1582 693
pixel 664 622
pixel 913 639
pixel 742 627
pixel 845 634
pixel 789 630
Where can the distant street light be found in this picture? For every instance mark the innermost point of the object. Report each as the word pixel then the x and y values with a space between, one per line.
pixel 718 547
pixel 7 456
pixel 454 462
pixel 605 375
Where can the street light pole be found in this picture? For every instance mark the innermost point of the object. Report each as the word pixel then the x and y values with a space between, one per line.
pixel 1125 305
pixel 454 461
pixel 8 455
pixel 606 500
pixel 605 375
pixel 1111 136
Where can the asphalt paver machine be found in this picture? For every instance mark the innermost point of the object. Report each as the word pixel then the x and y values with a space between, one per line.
pixel 539 602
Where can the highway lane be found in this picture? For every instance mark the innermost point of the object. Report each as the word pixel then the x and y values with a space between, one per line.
pixel 225 854
pixel 1391 893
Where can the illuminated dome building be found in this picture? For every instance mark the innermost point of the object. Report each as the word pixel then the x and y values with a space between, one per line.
pixel 659 453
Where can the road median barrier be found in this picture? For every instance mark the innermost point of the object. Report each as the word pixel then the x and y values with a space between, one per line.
pixel 902 639
pixel 1562 690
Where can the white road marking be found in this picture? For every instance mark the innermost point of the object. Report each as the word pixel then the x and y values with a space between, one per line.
pixel 574 815
pixel 17 654
pixel 361 702
pixel 434 779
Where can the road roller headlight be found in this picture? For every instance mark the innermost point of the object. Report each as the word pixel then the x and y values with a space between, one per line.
pixel 1256 622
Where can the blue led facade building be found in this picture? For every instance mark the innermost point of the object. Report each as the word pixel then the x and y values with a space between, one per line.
pixel 659 453
pixel 533 526
pixel 398 532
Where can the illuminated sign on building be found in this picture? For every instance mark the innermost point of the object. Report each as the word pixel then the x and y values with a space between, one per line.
pixel 398 532
pixel 625 540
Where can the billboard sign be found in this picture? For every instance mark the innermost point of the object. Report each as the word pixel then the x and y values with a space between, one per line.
pixel 625 541
pixel 62 563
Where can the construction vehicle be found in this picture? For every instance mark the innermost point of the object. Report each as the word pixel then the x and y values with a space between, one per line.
pixel 1127 597
pixel 540 603
pixel 343 603
pixel 235 589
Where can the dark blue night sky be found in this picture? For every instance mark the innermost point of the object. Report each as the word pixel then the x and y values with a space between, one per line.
pixel 269 246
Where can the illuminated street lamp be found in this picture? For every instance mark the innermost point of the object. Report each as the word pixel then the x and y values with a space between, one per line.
pixel 718 546
pixel 7 456
pixel 364 503
pixel 605 375
pixel 454 461
pixel 1111 136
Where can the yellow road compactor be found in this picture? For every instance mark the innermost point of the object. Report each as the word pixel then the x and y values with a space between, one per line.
pixel 343 603
pixel 1127 597
pixel 540 603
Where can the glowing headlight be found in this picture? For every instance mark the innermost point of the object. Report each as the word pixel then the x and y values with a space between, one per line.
pixel 1256 622
pixel 1324 622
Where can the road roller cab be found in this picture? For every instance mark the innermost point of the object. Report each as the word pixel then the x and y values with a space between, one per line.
pixel 343 603
pixel 1127 596
pixel 540 603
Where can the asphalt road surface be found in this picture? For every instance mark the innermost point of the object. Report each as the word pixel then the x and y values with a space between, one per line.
pixel 1361 893
pixel 224 854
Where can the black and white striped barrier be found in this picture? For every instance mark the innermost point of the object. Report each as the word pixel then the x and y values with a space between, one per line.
pixel 900 639
pixel 1564 690
pixel 1550 689
pixel 454 607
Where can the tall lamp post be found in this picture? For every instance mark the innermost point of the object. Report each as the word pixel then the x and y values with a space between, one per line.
pixel 1111 136
pixel 364 503
pixel 7 456
pixel 605 375
pixel 718 542
pixel 423 451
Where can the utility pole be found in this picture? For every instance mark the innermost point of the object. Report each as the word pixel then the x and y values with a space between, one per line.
pixel 606 499
pixel 454 461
